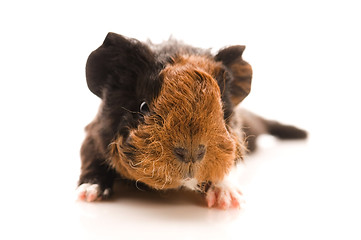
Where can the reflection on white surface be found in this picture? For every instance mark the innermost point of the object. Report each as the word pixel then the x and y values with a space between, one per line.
pixel 289 194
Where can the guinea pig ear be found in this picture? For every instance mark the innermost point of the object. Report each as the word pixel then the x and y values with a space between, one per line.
pixel 117 64
pixel 241 71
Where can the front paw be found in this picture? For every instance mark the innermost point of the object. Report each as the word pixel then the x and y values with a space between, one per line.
pixel 92 192
pixel 224 196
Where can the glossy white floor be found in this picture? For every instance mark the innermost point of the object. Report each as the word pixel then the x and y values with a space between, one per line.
pixel 294 190
pixel 306 61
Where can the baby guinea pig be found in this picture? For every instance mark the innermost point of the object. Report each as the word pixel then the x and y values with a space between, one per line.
pixel 168 119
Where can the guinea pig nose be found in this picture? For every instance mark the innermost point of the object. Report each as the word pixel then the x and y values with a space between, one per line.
pixel 181 154
pixel 186 156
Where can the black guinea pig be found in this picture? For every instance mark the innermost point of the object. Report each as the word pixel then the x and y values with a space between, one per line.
pixel 169 119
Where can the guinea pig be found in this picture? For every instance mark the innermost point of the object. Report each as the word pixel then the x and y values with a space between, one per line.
pixel 169 118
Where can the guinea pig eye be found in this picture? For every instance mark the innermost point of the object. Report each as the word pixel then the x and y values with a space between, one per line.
pixel 144 108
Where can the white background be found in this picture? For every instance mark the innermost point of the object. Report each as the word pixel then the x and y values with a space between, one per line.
pixel 306 61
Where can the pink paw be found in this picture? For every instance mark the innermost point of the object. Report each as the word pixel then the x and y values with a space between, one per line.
pixel 91 192
pixel 224 197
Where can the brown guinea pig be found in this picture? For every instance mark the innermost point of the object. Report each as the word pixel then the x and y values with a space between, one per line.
pixel 168 119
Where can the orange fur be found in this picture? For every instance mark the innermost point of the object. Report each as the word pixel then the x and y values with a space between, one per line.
pixel 187 113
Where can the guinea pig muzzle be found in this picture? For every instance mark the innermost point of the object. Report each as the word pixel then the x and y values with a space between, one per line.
pixel 192 155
